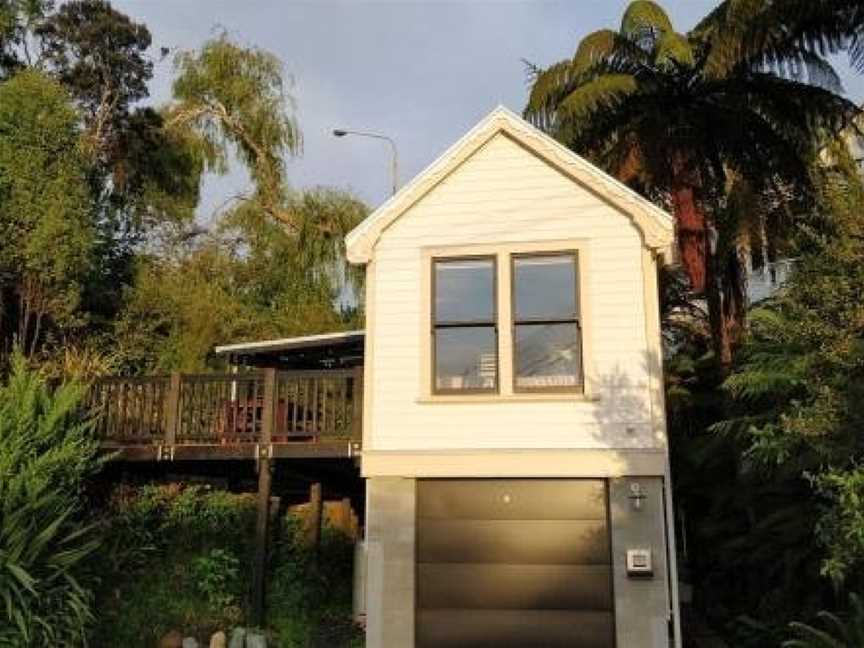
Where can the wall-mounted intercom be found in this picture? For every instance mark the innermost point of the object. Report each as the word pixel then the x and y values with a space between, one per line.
pixel 639 563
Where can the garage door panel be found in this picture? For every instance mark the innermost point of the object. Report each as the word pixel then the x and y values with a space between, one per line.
pixel 500 586
pixel 512 499
pixel 514 541
pixel 513 563
pixel 514 629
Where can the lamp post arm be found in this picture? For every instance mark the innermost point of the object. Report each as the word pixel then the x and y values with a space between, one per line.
pixel 394 162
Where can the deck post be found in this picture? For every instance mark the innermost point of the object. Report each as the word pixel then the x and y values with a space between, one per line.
pixel 265 478
pixel 316 506
pixel 172 408
pixel 357 414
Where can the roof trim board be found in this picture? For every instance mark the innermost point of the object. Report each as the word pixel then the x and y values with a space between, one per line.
pixel 286 344
pixel 656 225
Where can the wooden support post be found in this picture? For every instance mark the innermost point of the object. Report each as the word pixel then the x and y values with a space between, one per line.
pixel 357 413
pixel 172 409
pixel 265 479
pixel 316 513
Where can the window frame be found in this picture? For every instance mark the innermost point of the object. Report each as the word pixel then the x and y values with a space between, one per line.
pixel 435 325
pixel 579 386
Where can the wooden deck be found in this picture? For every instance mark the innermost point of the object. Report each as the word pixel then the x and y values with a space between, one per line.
pixel 252 415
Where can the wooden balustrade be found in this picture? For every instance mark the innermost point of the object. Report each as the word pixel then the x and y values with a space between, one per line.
pixel 229 410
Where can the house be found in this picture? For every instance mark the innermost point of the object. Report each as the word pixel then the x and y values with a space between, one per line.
pixel 504 404
pixel 514 441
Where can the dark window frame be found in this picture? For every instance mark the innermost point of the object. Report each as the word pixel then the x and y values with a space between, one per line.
pixel 435 325
pixel 579 386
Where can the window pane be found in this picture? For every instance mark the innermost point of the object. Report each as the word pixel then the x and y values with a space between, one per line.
pixel 545 287
pixel 465 290
pixel 548 355
pixel 465 358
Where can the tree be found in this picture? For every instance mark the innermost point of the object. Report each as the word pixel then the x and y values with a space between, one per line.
pixel 762 33
pixel 47 453
pixel 45 208
pixel 235 99
pixel 800 380
pixel 249 279
pixel 100 55
pixel 18 19
pixel 642 104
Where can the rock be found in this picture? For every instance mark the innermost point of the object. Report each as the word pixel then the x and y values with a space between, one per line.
pixel 190 642
pixel 238 638
pixel 256 640
pixel 218 640
pixel 172 639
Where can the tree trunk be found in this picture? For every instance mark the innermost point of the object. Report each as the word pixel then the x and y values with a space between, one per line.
pixel 716 278
pixel 718 319
pixel 692 235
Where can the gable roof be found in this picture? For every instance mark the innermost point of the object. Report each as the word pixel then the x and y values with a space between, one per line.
pixel 656 225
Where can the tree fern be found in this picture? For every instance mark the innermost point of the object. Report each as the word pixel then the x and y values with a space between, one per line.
pixel 835 632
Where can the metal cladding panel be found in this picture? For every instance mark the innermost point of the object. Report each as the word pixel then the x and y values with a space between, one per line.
pixel 513 563
pixel 514 629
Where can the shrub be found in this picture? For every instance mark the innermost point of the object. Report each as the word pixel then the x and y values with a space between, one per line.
pixel 836 632
pixel 46 454
pixel 175 556
pixel 216 575
pixel 309 596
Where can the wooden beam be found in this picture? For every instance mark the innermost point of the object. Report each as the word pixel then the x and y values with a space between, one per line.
pixel 265 481
pixel 233 452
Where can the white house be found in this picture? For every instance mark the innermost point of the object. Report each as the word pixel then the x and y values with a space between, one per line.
pixel 514 439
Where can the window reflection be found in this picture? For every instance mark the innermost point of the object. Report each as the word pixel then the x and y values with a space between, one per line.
pixel 547 337
pixel 465 337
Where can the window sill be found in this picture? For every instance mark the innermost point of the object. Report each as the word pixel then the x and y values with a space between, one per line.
pixel 560 397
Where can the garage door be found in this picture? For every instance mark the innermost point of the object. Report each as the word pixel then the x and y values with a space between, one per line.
pixel 513 564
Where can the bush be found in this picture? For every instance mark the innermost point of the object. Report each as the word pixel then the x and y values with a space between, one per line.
pixel 47 452
pixel 309 599
pixel 175 558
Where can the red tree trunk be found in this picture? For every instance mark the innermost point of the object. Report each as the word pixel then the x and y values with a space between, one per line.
pixel 692 236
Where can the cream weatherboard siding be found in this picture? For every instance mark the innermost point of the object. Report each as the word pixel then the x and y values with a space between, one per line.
pixel 506 195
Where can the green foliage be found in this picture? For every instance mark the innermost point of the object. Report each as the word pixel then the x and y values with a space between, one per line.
pixel 216 575
pixel 178 557
pixel 719 150
pixel 44 208
pixel 174 556
pixel 760 33
pixel 252 280
pixel 235 97
pixel 309 595
pixel 46 455
pixel 835 631
pixel 99 54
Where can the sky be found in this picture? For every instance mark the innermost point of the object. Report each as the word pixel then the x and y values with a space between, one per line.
pixel 422 73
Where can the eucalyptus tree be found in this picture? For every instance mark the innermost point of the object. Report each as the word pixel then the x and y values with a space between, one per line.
pixel 643 103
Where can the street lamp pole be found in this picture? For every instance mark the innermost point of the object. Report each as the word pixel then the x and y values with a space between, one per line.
pixel 394 160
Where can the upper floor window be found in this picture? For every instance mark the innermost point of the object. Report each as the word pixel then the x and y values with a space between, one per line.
pixel 465 335
pixel 546 325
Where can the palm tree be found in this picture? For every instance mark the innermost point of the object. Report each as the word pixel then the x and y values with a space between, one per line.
pixel 643 103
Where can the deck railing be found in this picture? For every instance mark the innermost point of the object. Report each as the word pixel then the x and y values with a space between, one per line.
pixel 229 409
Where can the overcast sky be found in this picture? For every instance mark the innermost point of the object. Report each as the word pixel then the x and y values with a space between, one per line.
pixel 421 72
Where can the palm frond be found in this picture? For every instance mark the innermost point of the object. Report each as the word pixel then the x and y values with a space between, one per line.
pixel 644 22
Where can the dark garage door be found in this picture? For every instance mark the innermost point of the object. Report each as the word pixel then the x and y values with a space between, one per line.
pixel 510 563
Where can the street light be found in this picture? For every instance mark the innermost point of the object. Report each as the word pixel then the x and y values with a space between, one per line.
pixel 394 167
